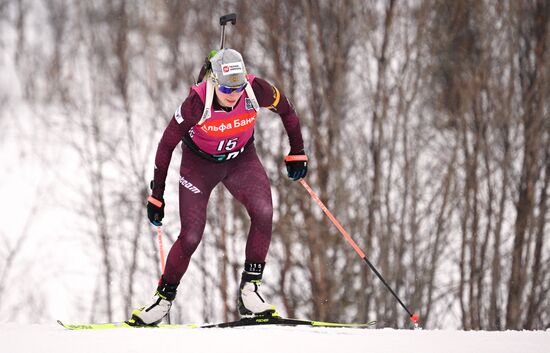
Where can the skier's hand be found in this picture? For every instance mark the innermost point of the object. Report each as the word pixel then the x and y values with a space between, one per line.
pixel 296 165
pixel 155 210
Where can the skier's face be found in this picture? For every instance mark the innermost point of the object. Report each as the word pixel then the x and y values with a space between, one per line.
pixel 228 100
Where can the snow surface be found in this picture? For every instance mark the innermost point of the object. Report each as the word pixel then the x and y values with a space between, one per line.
pixel 16 338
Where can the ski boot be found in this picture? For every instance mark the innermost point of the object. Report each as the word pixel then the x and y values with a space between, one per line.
pixel 251 303
pixel 154 313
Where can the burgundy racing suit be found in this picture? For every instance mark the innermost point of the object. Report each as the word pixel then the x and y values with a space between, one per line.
pixel 201 170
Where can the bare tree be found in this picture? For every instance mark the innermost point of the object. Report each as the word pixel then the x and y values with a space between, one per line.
pixel 532 54
pixel 425 125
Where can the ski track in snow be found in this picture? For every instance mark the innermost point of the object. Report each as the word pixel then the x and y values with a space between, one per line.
pixel 17 338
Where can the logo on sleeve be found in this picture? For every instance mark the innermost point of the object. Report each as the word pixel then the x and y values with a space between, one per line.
pixel 177 115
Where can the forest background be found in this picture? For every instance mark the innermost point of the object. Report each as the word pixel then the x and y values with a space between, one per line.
pixel 426 124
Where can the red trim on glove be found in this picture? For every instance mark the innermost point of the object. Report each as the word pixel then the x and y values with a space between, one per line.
pixel 154 201
pixel 296 158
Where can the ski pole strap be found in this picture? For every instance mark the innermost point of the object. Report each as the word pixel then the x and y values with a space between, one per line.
pixel 154 201
pixel 297 158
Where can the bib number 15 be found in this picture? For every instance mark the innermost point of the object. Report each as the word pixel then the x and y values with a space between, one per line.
pixel 227 145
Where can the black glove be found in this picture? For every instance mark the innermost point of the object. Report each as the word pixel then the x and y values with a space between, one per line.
pixel 155 210
pixel 296 165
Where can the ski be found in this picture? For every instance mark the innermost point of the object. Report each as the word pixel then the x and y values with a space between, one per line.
pixel 121 324
pixel 281 321
pixel 255 321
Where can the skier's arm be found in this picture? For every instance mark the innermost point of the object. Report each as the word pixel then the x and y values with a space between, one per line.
pixel 270 97
pixel 169 141
pixel 187 115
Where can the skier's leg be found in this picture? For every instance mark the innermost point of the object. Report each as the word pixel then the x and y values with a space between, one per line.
pixel 197 179
pixel 248 183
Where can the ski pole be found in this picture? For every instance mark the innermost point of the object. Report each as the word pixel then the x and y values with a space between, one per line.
pixel 412 317
pixel 162 263
pixel 161 248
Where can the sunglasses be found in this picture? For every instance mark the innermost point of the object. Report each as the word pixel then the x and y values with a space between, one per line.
pixel 229 90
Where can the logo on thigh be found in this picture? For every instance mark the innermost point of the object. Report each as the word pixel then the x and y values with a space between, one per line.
pixel 189 186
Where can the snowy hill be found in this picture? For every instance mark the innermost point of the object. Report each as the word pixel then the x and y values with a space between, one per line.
pixel 53 338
